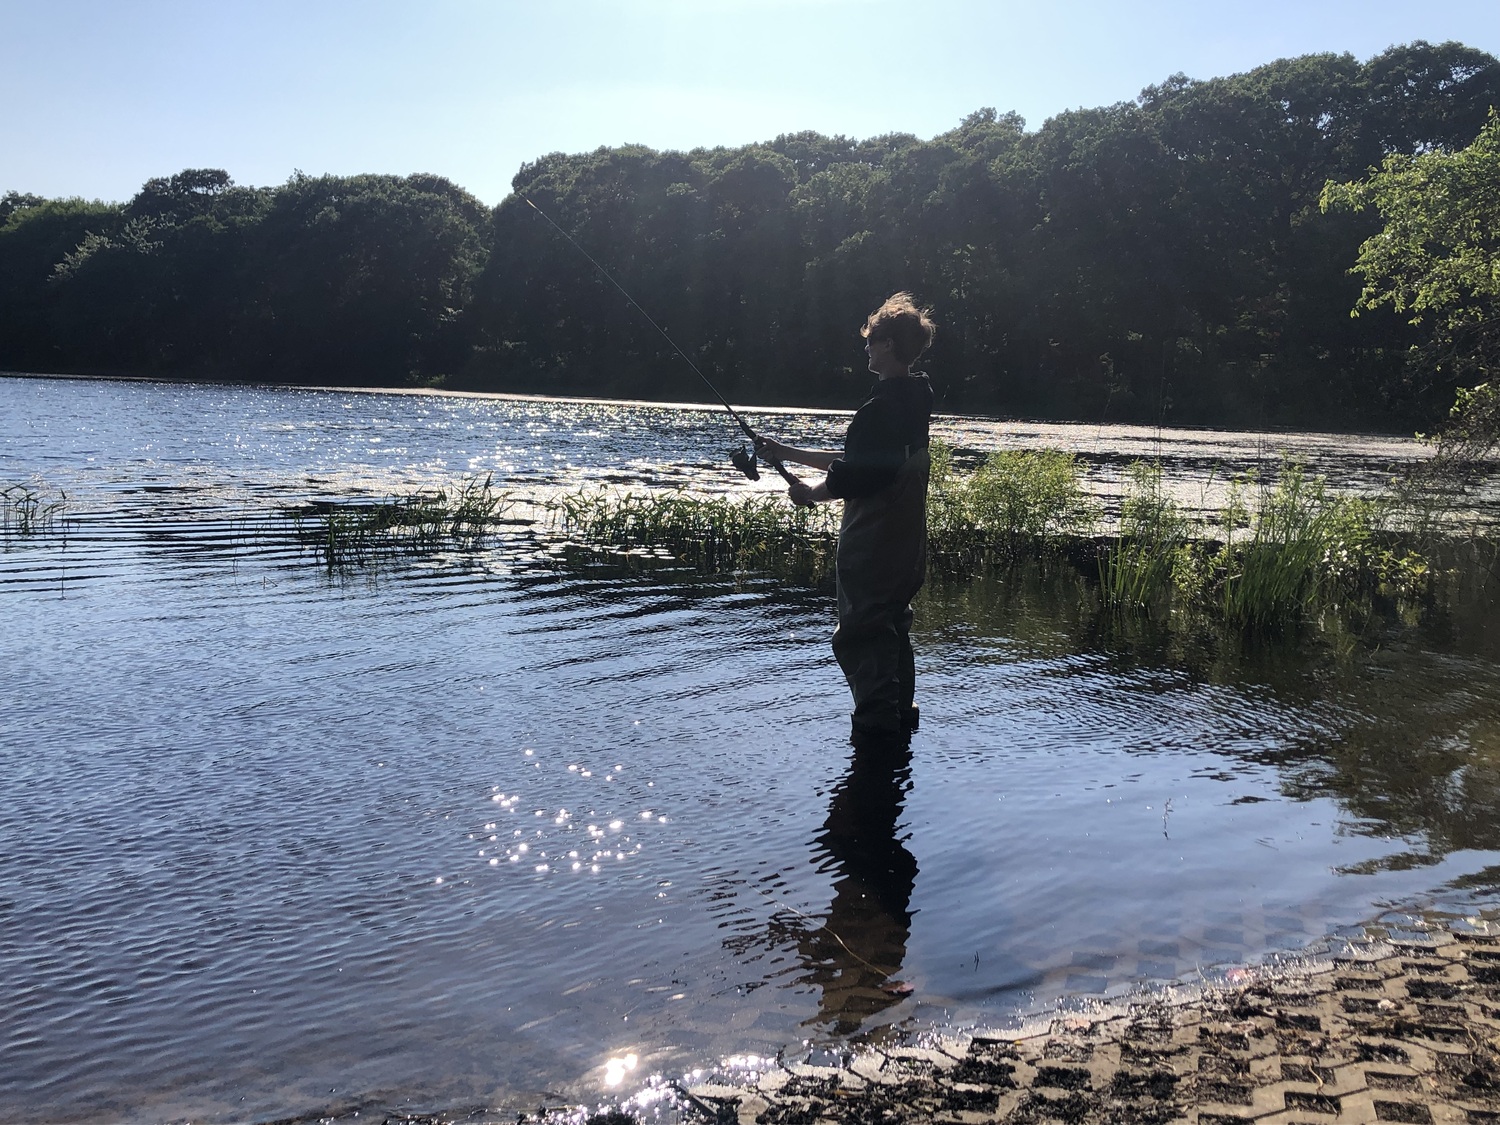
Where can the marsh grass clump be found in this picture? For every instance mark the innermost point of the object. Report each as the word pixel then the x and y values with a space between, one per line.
pixel 1014 501
pixel 472 509
pixel 357 533
pixel 1308 548
pixel 759 531
pixel 1279 553
pixel 1151 554
pixel 27 511
pixel 353 533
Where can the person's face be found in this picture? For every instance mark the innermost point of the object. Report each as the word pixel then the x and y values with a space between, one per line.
pixel 878 353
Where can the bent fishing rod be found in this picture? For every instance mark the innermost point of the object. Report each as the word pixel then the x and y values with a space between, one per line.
pixel 744 459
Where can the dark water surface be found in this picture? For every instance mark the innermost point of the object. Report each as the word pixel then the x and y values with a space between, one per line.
pixel 464 829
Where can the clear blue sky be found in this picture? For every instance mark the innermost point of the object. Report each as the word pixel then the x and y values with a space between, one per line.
pixel 100 95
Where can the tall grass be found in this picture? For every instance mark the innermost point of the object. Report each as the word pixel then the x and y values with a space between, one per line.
pixel 1277 554
pixel 1308 548
pixel 760 531
pixel 1282 553
pixel 1015 500
pixel 1150 553
pixel 357 533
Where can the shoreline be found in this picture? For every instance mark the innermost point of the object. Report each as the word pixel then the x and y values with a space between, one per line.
pixel 1395 1025
pixel 1402 1027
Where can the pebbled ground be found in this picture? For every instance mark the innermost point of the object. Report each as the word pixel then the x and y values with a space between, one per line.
pixel 1403 1029
pixel 1395 1030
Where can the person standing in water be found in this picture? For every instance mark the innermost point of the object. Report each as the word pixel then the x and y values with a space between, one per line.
pixel 881 476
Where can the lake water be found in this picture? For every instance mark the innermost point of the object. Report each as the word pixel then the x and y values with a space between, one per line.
pixel 462 829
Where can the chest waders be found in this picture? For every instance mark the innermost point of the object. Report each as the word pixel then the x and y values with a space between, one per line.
pixel 882 562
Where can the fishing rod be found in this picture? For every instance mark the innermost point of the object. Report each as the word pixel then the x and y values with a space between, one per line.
pixel 743 458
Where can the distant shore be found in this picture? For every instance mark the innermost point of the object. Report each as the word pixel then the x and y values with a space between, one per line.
pixel 762 409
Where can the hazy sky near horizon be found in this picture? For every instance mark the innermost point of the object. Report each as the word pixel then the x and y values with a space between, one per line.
pixel 104 94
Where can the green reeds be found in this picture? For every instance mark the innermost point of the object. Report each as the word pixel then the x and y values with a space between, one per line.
pixel 1282 553
pixel 358 533
pixel 1310 549
pixel 1151 550
pixel 1276 555
pixel 472 508
pixel 1014 501
pixel 764 532
pixel 26 511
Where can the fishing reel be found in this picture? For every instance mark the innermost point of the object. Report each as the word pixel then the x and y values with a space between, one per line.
pixel 744 460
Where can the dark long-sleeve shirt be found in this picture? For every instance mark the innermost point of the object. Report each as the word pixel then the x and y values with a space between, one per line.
pixel 888 428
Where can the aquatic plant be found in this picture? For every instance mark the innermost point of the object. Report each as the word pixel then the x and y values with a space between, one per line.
pixel 26 511
pixel 1150 552
pixel 1309 547
pixel 761 531
pixel 1013 499
pixel 353 532
pixel 1278 553
pixel 472 509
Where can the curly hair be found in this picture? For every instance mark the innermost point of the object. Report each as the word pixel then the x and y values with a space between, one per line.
pixel 909 327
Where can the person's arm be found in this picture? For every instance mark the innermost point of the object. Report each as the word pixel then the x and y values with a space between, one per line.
pixel 818 459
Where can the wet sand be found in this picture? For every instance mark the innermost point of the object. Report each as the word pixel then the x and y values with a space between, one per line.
pixel 1402 1028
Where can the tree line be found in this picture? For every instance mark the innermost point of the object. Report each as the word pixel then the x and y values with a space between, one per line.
pixel 1164 259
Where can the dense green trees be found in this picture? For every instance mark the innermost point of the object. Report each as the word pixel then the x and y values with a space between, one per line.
pixel 359 279
pixel 366 274
pixel 1436 259
pixel 1160 259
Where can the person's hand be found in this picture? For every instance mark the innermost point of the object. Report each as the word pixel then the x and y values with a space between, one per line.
pixel 771 449
pixel 801 495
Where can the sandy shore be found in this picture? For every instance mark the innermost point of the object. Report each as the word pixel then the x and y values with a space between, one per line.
pixel 1401 1026
pixel 1402 1029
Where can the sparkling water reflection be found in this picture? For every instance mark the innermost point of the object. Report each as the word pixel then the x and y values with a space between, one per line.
pixel 476 829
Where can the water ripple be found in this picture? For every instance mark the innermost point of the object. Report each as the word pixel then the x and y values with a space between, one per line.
pixel 470 822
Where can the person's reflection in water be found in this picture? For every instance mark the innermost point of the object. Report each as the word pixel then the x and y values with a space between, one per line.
pixel 855 956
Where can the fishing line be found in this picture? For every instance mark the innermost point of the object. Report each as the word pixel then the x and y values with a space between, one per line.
pixel 744 461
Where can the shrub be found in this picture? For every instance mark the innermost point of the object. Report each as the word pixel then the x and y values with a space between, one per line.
pixel 1014 498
